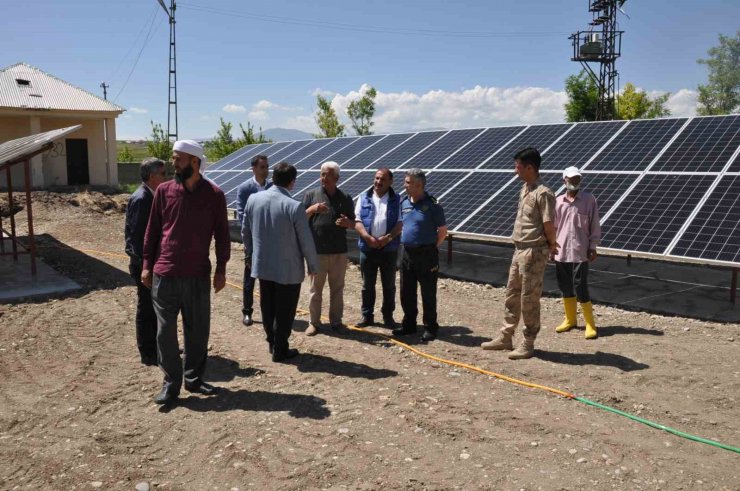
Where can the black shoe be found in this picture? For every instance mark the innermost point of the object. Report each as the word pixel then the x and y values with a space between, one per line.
pixel 150 361
pixel 165 397
pixel 201 388
pixel 366 322
pixel 290 353
pixel 247 321
pixel 338 328
pixel 389 323
pixel 404 331
pixel 429 335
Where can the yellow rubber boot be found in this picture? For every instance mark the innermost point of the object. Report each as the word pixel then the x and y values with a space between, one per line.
pixel 571 311
pixel 588 316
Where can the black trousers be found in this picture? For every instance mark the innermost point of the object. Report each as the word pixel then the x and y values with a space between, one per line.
pixel 146 319
pixel 370 263
pixel 247 288
pixel 420 265
pixel 573 280
pixel 278 304
pixel 192 298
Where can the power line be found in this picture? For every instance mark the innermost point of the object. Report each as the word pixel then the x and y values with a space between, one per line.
pixel 369 29
pixel 114 74
pixel 138 56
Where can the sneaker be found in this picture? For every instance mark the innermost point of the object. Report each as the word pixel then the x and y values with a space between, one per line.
pixel 312 330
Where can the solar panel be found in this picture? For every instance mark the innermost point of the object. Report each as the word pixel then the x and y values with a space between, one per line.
pixel 470 193
pixel 714 233
pixel 355 147
pixel 704 146
pixel 285 152
pixel 239 157
pixel 497 216
pixel 307 150
pixel 324 153
pixel 579 145
pixel 356 184
pixel 607 188
pixel 304 181
pixel 637 146
pixel 231 184
pixel 396 158
pixel 375 152
pixel 442 148
pixel 651 214
pixel 538 136
pixel 481 148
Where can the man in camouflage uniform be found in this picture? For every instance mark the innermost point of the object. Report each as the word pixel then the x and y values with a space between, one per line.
pixel 534 241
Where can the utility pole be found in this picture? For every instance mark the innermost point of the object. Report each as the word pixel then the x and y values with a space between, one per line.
pixel 104 86
pixel 172 95
pixel 601 44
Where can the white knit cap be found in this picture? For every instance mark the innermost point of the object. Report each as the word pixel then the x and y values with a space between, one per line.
pixel 191 147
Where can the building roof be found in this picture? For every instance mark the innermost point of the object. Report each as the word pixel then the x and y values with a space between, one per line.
pixel 23 86
pixel 13 150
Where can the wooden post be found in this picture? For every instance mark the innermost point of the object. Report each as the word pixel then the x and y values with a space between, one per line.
pixel 449 249
pixel 629 259
pixel 12 215
pixel 31 241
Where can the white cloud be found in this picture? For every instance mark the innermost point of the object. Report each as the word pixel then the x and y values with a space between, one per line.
pixel 234 108
pixel 303 122
pixel 683 103
pixel 138 110
pixel 258 115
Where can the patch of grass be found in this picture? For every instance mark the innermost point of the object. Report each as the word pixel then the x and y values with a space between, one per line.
pixel 128 188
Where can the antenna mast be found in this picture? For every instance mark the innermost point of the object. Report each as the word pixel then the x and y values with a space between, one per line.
pixel 601 44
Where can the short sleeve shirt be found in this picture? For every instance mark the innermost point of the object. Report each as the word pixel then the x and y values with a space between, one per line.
pixel 327 235
pixel 379 226
pixel 536 206
pixel 421 221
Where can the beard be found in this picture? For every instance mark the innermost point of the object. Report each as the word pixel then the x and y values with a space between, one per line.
pixel 184 174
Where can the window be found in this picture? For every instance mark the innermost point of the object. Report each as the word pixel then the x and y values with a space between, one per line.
pixel 22 82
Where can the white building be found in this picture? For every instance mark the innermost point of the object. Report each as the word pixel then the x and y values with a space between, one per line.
pixel 32 101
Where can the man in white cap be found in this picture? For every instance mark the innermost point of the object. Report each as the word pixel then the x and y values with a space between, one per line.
pixel 187 213
pixel 578 233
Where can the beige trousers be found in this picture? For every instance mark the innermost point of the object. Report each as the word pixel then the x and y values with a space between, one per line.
pixel 333 267
pixel 524 289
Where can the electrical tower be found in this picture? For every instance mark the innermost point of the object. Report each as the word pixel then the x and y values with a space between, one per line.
pixel 172 96
pixel 601 44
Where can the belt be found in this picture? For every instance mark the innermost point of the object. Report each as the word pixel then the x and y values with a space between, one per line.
pixel 520 246
pixel 420 248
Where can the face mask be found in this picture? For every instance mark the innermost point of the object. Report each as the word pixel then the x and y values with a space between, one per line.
pixel 572 187
pixel 184 175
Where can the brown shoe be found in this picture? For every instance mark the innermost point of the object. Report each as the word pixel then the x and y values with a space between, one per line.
pixel 524 350
pixel 312 330
pixel 502 342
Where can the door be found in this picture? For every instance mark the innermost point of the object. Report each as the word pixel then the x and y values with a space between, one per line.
pixel 77 162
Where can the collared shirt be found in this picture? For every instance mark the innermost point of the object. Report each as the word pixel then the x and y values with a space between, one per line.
pixel 421 221
pixel 578 228
pixel 536 206
pixel 181 226
pixel 329 237
pixel 380 223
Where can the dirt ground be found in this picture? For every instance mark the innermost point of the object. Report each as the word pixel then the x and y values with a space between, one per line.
pixel 354 411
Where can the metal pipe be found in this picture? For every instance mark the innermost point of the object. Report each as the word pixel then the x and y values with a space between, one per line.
pixel 733 285
pixel 449 249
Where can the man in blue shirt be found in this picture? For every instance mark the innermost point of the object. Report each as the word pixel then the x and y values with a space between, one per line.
pixel 258 182
pixel 277 237
pixel 378 223
pixel 424 230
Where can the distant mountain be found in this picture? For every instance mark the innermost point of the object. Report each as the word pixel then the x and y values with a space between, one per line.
pixel 286 134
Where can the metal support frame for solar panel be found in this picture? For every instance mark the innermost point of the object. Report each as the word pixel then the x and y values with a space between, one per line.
pixel 613 156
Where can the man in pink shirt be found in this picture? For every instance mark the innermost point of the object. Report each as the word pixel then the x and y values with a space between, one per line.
pixel 578 233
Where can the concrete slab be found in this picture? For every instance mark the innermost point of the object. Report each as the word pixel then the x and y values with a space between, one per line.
pixel 16 281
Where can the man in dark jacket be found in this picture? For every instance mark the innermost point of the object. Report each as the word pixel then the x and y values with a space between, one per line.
pixel 137 216
pixel 378 222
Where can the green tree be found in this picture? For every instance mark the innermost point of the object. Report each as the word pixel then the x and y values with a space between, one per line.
pixel 583 97
pixel 327 120
pixel 125 155
pixel 637 104
pixel 222 144
pixel 361 112
pixel 249 137
pixel 721 94
pixel 160 145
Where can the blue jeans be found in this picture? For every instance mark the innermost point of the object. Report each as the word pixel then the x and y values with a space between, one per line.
pixel 370 263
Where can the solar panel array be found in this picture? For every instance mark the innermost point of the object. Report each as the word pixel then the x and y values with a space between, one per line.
pixel 665 187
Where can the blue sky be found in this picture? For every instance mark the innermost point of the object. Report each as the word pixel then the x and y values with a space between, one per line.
pixel 435 63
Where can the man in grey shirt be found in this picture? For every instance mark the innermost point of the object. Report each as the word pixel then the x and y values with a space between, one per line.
pixel 277 237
